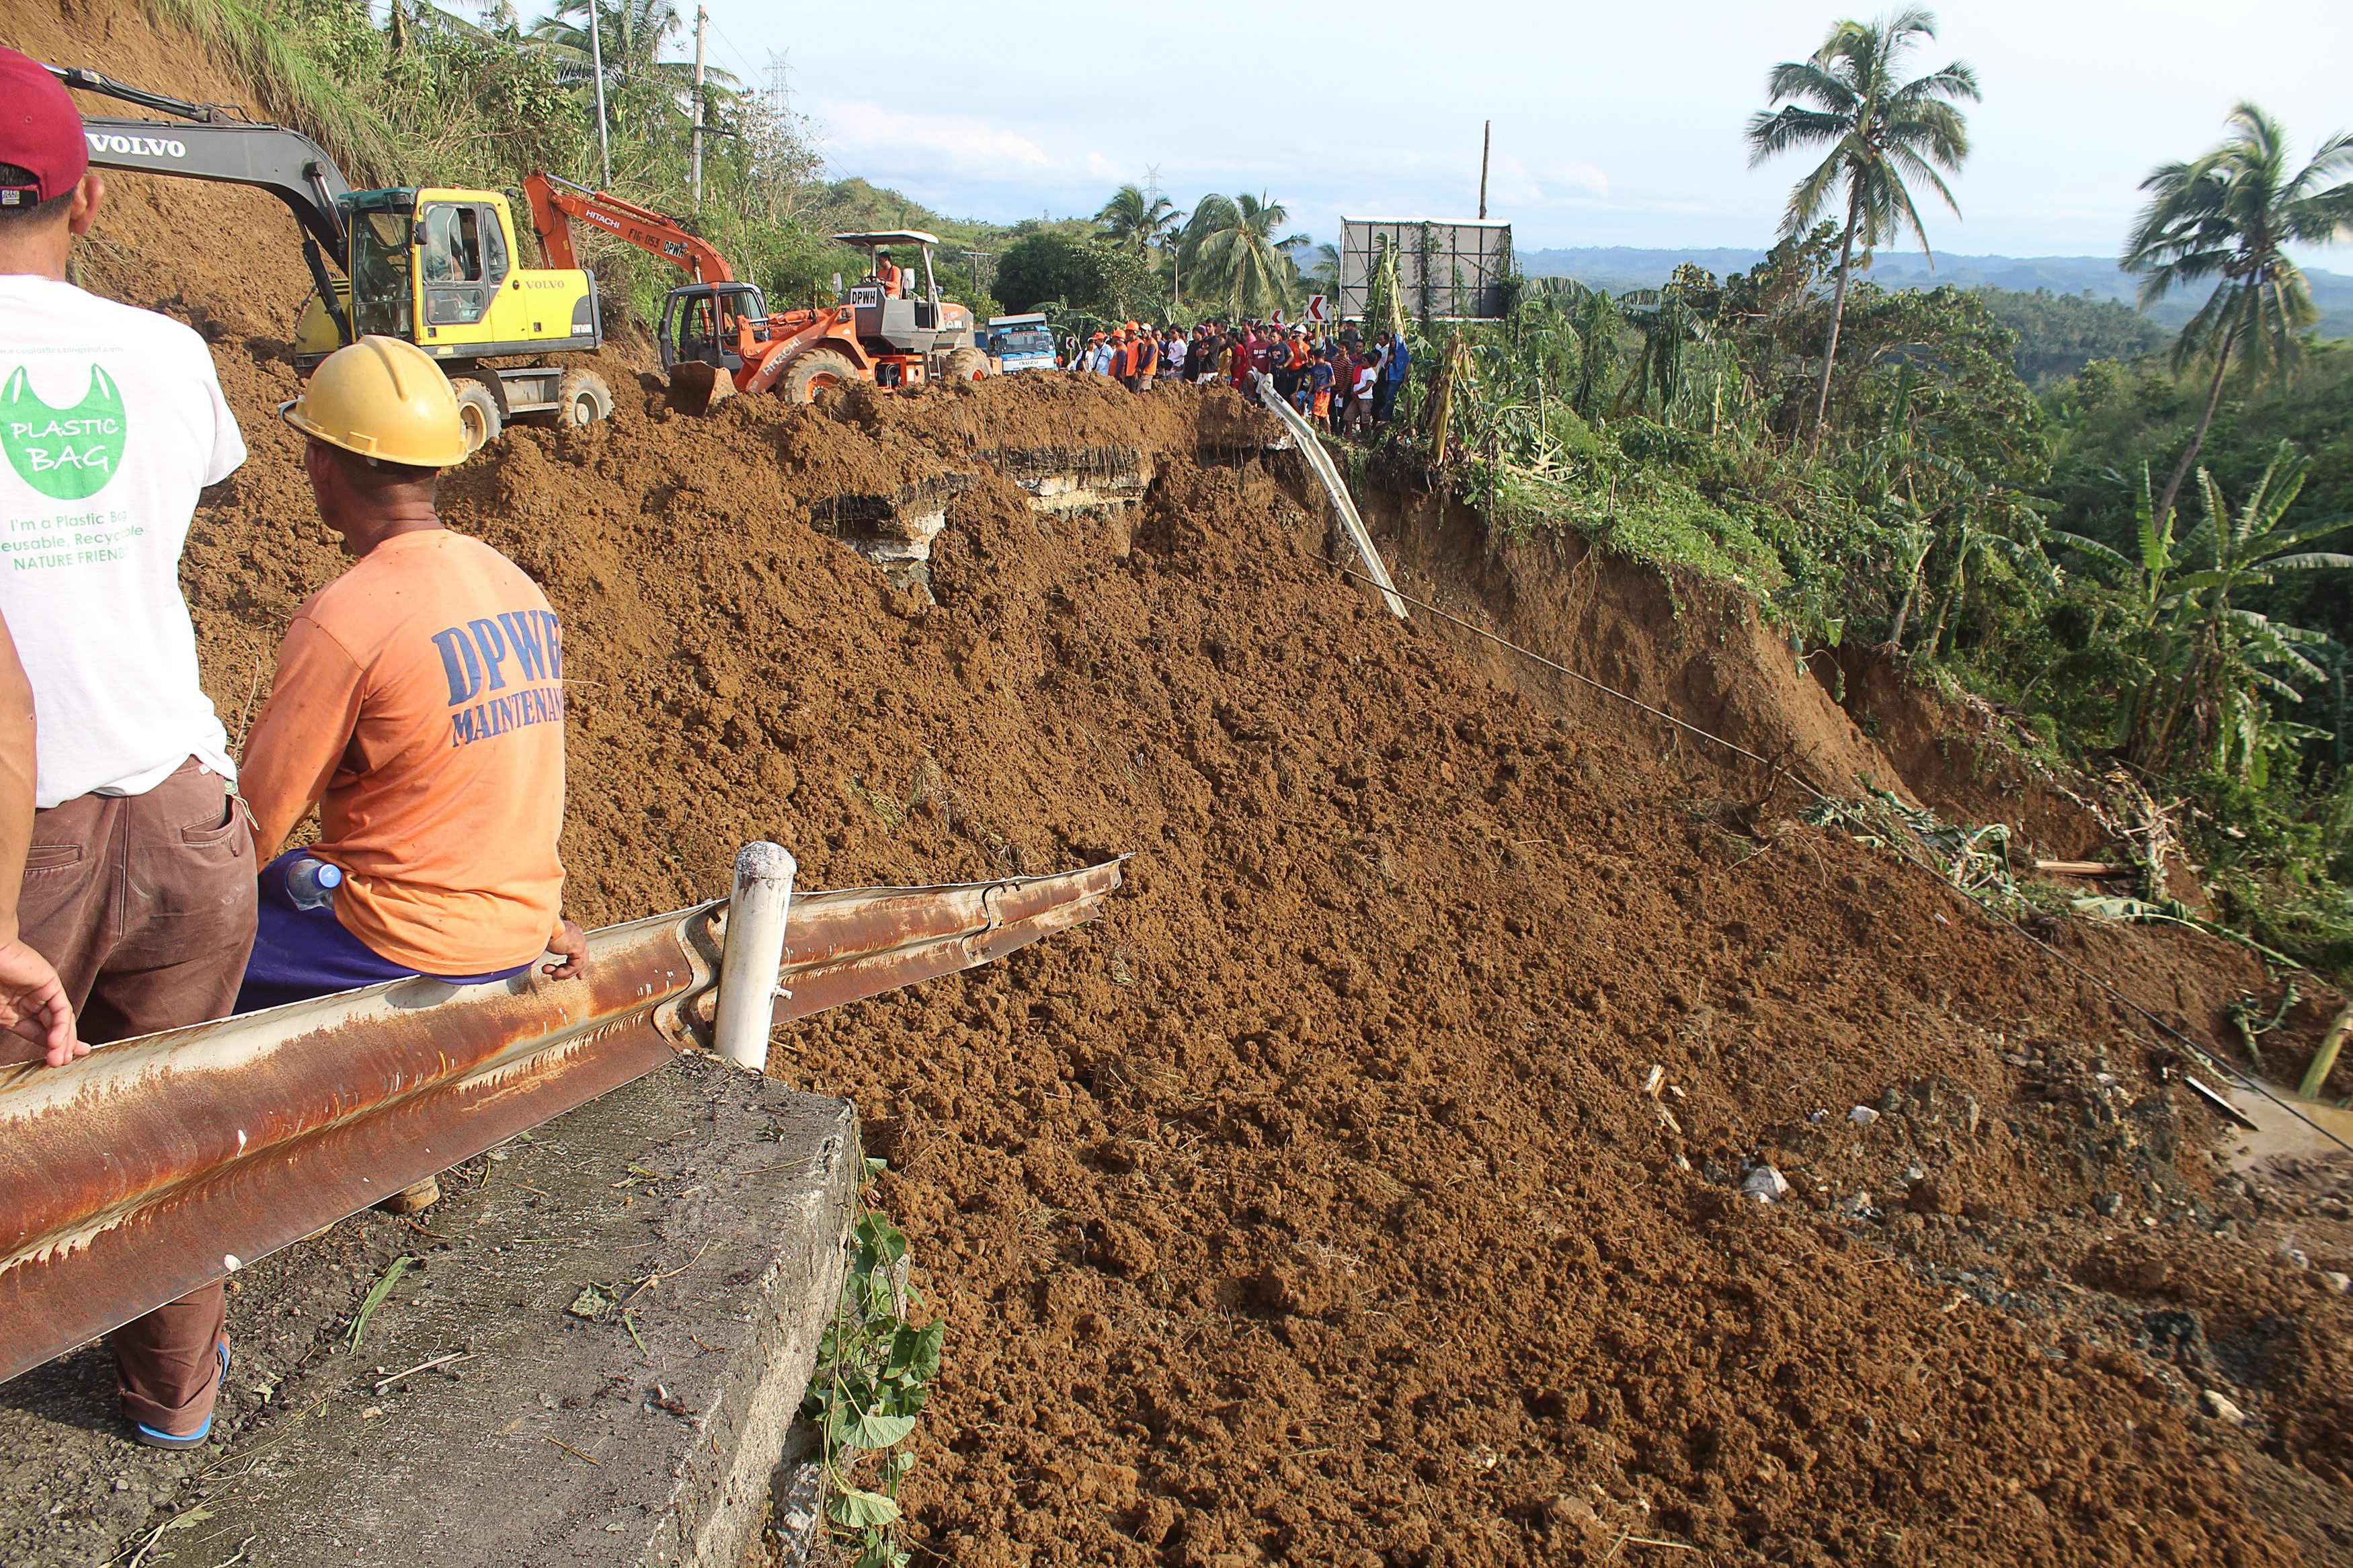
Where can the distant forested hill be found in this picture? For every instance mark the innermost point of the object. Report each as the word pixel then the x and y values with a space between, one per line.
pixel 2059 334
pixel 1618 268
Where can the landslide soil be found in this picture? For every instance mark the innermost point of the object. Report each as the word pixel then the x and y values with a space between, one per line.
pixel 1311 1207
pixel 1316 1205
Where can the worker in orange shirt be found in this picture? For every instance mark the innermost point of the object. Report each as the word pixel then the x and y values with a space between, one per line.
pixel 1147 358
pixel 419 704
pixel 888 273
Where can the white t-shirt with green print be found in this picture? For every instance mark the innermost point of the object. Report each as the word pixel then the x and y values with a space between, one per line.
pixel 112 420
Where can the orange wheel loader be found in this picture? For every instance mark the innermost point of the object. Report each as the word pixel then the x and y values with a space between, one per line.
pixel 718 336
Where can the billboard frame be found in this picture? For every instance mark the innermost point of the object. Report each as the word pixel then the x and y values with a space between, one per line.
pixel 1449 268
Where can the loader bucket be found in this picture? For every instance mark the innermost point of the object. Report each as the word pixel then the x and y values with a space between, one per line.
pixel 698 388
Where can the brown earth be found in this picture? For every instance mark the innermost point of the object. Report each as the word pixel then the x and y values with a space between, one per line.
pixel 1316 1206
pixel 1311 1206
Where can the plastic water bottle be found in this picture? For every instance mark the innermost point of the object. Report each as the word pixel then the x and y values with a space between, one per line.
pixel 312 882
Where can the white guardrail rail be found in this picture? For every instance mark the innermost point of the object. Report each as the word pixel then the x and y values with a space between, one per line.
pixel 1312 448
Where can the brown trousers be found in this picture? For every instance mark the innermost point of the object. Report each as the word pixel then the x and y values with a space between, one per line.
pixel 145 905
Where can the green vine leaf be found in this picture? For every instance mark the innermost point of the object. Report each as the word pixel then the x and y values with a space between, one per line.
pixel 852 1508
pixel 869 1430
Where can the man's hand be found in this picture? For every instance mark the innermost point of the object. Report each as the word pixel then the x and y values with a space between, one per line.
pixel 570 945
pixel 33 1004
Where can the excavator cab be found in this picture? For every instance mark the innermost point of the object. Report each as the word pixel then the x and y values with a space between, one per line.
pixel 701 336
pixel 699 325
pixel 441 268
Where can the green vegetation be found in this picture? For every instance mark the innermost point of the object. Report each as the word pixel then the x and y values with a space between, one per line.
pixel 1873 465
pixel 429 96
pixel 2228 217
pixel 1880 131
pixel 1077 273
pixel 2059 334
pixel 874 1371
pixel 1968 479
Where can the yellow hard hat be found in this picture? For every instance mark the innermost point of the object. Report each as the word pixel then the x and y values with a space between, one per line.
pixel 381 397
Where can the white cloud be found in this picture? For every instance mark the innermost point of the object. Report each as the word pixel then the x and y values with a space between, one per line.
pixel 862 133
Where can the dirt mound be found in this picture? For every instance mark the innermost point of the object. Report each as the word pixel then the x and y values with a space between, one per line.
pixel 1369 1188
pixel 218 256
pixel 1692 649
pixel 1317 1205
pixel 1960 761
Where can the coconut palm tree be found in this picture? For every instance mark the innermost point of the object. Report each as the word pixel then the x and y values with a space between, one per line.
pixel 1137 222
pixel 2228 217
pixel 1880 131
pixel 1325 271
pixel 631 32
pixel 1236 254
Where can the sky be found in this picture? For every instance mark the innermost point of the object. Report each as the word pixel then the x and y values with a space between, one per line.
pixel 1613 125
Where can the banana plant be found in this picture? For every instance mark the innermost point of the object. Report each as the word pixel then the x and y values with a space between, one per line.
pixel 2219 665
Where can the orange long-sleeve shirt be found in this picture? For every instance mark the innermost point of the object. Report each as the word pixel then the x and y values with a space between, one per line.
pixel 419 703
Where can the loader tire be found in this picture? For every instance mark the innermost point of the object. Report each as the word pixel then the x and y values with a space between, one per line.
pixel 816 372
pixel 965 365
pixel 582 398
pixel 478 412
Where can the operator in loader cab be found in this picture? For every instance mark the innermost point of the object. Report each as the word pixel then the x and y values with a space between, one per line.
pixel 419 704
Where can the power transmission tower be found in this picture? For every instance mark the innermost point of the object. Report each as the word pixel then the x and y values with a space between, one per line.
pixel 779 92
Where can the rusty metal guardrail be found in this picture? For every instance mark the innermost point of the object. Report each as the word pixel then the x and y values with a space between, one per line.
pixel 155 1165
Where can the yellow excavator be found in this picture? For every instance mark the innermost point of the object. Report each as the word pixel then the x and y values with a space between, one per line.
pixel 436 266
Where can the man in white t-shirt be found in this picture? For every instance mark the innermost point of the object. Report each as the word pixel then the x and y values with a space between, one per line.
pixel 138 883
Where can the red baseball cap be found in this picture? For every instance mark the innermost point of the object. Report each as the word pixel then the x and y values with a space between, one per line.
pixel 40 131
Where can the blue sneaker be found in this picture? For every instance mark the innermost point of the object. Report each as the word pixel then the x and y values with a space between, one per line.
pixel 155 1438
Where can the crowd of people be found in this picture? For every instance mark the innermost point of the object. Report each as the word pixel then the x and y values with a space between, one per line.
pixel 142 885
pixel 1339 382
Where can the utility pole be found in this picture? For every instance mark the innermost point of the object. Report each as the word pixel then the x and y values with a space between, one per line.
pixel 1486 141
pixel 596 64
pixel 702 21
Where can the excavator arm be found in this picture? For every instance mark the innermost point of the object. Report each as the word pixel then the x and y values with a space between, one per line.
pixel 554 202
pixel 207 142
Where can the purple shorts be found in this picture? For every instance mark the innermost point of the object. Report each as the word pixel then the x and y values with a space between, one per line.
pixel 302 953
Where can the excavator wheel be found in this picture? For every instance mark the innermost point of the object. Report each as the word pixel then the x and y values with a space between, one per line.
pixel 965 364
pixel 478 413
pixel 582 398
pixel 817 372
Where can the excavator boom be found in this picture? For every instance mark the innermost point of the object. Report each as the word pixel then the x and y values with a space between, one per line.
pixel 205 141
pixel 555 201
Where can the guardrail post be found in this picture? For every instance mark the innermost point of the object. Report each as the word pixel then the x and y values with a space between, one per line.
pixel 754 953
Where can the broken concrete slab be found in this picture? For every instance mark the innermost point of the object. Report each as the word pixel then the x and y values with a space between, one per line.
pixel 628 1301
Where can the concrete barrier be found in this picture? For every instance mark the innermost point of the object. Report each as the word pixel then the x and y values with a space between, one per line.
pixel 632 1296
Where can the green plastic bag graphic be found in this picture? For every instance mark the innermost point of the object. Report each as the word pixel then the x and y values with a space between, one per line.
pixel 64 453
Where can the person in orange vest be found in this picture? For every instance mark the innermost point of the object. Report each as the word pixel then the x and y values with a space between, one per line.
pixel 1147 357
pixel 887 273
